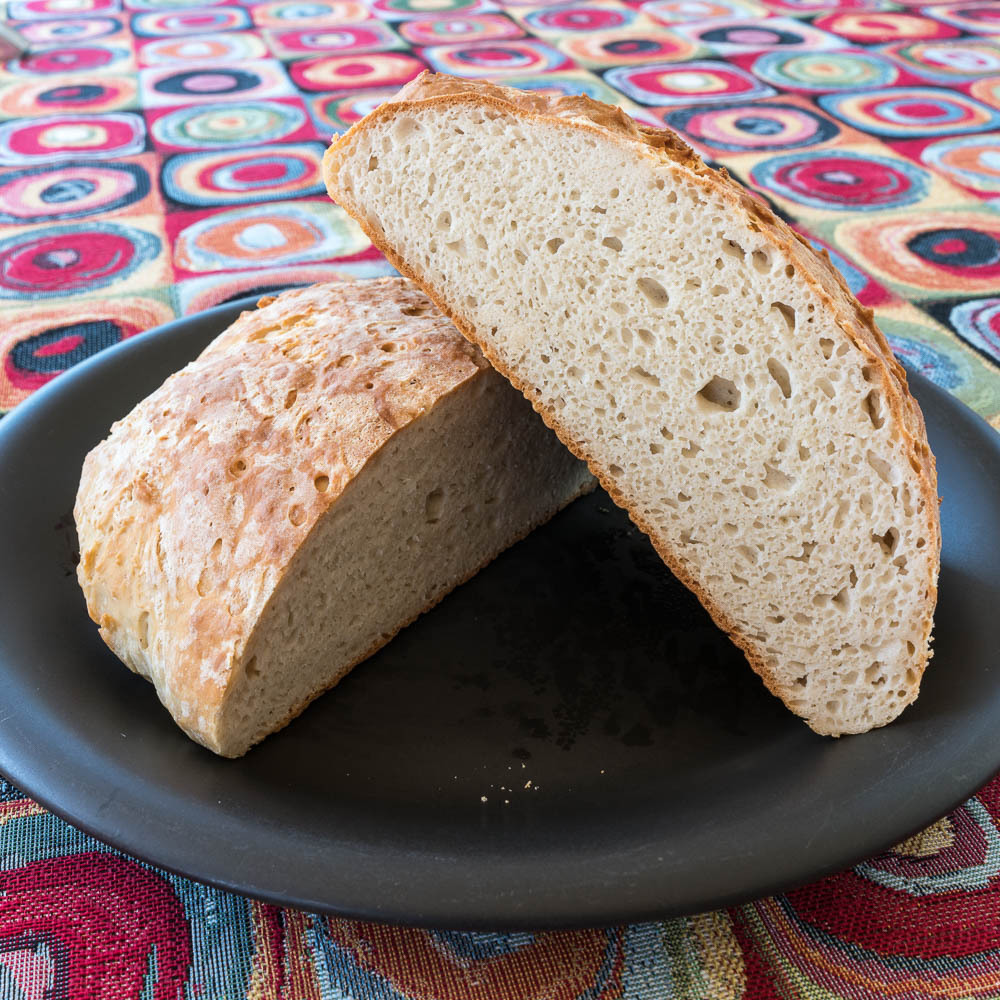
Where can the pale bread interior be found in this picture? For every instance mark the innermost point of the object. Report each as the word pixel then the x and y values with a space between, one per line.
pixel 712 388
pixel 445 495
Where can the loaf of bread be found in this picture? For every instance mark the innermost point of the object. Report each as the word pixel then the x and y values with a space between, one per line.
pixel 329 468
pixel 714 371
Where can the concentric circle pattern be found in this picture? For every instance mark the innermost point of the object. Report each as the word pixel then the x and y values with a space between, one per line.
pixel 268 235
pixel 695 82
pixel 842 181
pixel 370 36
pixel 57 261
pixel 189 21
pixel 683 11
pixel 826 72
pixel 970 160
pixel 943 253
pixel 314 13
pixel 452 30
pixel 747 34
pixel 70 190
pixel 982 17
pixel 355 72
pixel 39 10
pixel 215 126
pixel 69 93
pixel 245 176
pixel 69 32
pixel 950 60
pixel 757 127
pixel 47 140
pixel 221 47
pixel 885 26
pixel 575 18
pixel 624 48
pixel 902 112
pixel 185 84
pixel 71 59
pixel 495 59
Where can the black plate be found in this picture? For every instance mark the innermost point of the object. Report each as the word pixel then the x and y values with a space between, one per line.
pixel 663 777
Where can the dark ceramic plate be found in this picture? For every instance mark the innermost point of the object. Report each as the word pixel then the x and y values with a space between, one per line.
pixel 566 740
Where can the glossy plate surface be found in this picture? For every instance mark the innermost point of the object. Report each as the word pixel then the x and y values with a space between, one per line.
pixel 664 779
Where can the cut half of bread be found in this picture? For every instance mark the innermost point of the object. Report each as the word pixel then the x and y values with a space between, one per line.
pixel 717 374
pixel 330 467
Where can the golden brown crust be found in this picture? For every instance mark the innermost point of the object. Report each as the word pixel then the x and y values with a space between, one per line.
pixel 189 513
pixel 856 321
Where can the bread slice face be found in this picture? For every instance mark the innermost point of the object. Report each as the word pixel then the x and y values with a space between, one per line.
pixel 329 468
pixel 715 372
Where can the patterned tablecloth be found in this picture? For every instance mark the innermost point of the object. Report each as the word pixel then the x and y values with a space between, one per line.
pixel 160 156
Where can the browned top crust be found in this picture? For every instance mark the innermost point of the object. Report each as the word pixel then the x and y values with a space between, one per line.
pixel 189 512
pixel 857 321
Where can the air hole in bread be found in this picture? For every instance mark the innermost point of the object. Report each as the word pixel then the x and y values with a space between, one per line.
pixel 616 470
pixel 720 394
pixel 741 349
pixel 775 479
pixel 296 514
pixel 656 295
pixel 842 599
pixel 655 449
pixel 238 467
pixel 444 220
pixel 885 470
pixel 786 312
pixel 826 387
pixel 645 336
pixel 733 249
pixel 322 483
pixel 143 630
pixel 612 243
pixel 372 163
pixel 888 541
pixel 522 258
pixel 779 373
pixel 456 247
pixel 826 346
pixel 873 407
pixel 761 261
pixel 554 244
pixel 691 450
pixel 643 376
pixel 433 506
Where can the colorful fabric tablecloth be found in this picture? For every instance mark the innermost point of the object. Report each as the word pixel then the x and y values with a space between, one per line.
pixel 161 156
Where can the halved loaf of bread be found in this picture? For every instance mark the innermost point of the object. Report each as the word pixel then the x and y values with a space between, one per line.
pixel 716 373
pixel 330 467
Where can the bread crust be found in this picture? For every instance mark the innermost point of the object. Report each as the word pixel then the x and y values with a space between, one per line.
pixel 855 321
pixel 191 511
